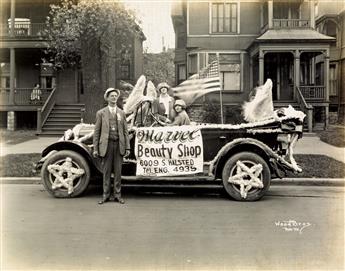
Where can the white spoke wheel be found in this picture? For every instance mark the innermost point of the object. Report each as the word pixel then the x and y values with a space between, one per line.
pixel 246 176
pixel 78 163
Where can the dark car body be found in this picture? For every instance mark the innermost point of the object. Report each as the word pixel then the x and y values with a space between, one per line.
pixel 266 143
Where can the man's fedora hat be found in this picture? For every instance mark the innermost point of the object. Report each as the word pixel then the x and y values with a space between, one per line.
pixel 111 90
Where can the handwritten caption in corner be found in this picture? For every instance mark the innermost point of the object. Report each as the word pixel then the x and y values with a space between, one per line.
pixel 292 225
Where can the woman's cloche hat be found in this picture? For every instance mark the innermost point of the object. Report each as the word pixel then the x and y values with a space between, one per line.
pixel 163 85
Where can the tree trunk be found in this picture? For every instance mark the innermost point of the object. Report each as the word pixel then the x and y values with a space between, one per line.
pixel 91 58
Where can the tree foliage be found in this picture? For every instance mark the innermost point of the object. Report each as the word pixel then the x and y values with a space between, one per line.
pixel 160 67
pixel 73 25
pixel 90 34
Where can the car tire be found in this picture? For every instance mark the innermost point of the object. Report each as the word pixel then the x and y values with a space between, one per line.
pixel 230 169
pixel 79 184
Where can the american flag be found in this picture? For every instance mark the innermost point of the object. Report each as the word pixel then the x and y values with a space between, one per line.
pixel 206 81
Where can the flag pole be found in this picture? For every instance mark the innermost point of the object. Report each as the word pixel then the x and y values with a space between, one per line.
pixel 220 96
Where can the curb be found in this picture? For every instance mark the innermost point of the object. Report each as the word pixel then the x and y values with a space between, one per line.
pixel 285 181
pixel 20 180
pixel 309 181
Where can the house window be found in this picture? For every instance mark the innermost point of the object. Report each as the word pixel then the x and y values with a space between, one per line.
pixel 5 75
pixel 192 64
pixel 5 82
pixel 224 18
pixel 125 70
pixel 230 72
pixel 48 82
pixel 230 76
pixel 286 10
pixel 316 8
pixel 333 84
pixel 229 68
pixel 181 73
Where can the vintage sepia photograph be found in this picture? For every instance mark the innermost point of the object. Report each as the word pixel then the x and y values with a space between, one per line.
pixel 172 135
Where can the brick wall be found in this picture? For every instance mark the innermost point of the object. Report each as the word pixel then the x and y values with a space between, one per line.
pixel 11 120
pixel 210 113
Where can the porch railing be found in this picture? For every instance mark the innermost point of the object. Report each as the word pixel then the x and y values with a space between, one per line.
pixel 44 111
pixel 290 23
pixel 23 30
pixel 22 96
pixel 313 92
pixel 306 108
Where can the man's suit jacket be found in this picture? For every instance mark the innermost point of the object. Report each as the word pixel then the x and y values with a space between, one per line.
pixel 101 133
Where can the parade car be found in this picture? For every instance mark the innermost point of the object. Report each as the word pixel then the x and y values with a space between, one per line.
pixel 242 157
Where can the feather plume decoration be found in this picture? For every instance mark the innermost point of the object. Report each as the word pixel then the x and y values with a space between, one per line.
pixel 135 96
pixel 261 106
pixel 151 90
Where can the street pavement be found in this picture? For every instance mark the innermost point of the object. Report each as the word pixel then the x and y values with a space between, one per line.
pixel 180 230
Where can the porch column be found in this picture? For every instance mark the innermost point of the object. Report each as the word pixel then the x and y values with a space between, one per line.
pixel 250 72
pixel 326 83
pixel 326 76
pixel 13 16
pixel 312 13
pixel 12 74
pixel 261 67
pixel 297 71
pixel 261 15
pixel 12 52
pixel 270 14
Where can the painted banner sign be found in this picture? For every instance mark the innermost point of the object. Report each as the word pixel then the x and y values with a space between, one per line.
pixel 168 151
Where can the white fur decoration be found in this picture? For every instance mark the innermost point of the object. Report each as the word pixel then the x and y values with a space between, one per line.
pixel 261 107
pixel 71 173
pixel 247 178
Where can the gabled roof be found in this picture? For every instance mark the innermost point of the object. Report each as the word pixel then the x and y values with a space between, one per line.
pixel 295 35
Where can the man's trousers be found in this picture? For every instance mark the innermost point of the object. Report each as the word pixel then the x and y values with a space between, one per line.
pixel 112 162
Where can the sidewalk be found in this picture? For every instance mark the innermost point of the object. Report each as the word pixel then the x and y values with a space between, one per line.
pixel 36 145
pixel 313 145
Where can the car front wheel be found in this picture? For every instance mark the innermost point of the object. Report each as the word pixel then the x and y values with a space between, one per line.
pixel 65 174
pixel 246 176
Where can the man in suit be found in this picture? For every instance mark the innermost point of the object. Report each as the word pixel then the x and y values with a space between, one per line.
pixel 111 143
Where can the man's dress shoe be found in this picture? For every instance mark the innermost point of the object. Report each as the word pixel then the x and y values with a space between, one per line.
pixel 119 200
pixel 103 201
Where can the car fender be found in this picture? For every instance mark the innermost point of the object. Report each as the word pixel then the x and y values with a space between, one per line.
pixel 236 146
pixel 76 146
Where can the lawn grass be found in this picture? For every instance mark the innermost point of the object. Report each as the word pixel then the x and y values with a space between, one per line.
pixel 334 135
pixel 19 165
pixel 16 137
pixel 318 166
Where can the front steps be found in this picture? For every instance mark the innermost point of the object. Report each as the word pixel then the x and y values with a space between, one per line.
pixel 62 118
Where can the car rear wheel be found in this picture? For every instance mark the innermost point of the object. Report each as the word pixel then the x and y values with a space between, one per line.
pixel 246 176
pixel 65 174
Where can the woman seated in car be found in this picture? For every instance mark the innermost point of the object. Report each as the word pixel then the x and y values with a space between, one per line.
pixel 181 114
